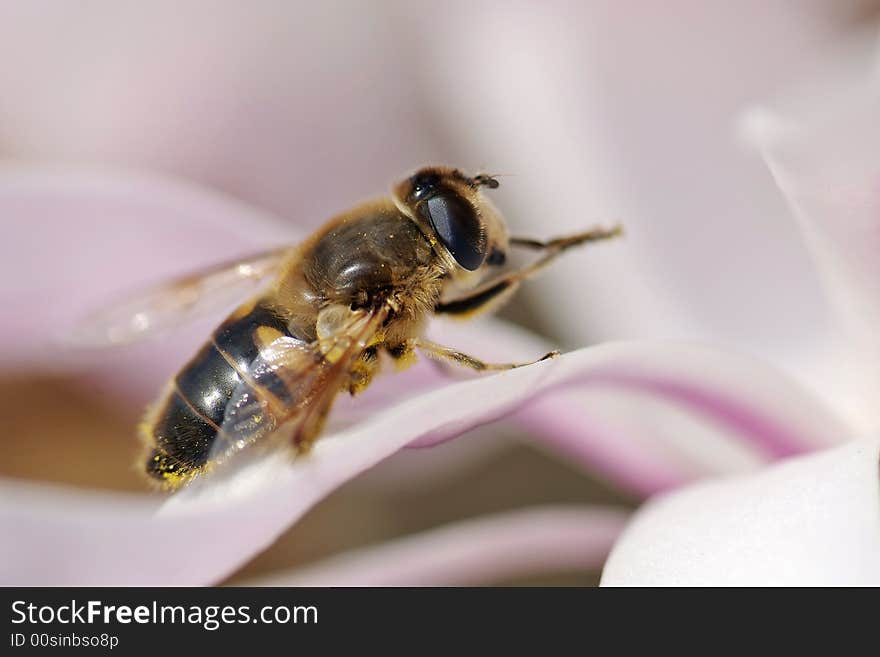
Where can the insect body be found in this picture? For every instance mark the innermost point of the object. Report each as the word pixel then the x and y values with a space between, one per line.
pixel 365 283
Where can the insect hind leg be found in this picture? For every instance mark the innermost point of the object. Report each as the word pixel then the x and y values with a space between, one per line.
pixel 363 371
pixel 447 354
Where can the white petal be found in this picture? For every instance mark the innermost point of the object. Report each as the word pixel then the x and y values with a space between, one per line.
pixel 823 147
pixel 478 551
pixel 813 520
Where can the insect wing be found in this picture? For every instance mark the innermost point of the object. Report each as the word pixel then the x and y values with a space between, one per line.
pixel 170 304
pixel 289 388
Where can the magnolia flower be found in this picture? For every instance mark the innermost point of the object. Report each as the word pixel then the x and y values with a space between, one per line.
pixel 263 107
pixel 592 395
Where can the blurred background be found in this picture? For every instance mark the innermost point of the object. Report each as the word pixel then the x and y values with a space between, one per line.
pixel 593 111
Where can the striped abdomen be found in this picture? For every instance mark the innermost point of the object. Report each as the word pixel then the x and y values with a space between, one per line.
pixel 183 428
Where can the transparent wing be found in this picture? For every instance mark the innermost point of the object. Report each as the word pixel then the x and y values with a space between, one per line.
pixel 172 303
pixel 288 390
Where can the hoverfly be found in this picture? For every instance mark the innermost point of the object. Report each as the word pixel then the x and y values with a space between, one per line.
pixel 364 284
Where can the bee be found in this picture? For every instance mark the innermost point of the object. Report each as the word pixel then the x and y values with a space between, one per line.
pixel 364 284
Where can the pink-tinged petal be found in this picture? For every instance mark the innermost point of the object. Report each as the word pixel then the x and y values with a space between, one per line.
pixel 479 551
pixel 605 112
pixel 241 511
pixel 813 520
pixel 75 240
pixel 823 148
pixel 301 109
pixel 700 410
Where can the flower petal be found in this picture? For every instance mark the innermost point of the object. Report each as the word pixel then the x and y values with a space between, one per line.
pixel 813 520
pixel 241 511
pixel 73 240
pixel 479 551
pixel 260 101
pixel 823 147
pixel 700 410
pixel 608 118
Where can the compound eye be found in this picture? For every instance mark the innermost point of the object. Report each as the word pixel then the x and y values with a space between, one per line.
pixel 458 227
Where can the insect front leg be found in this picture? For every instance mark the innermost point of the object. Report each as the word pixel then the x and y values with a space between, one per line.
pixel 493 293
pixel 560 244
pixel 447 354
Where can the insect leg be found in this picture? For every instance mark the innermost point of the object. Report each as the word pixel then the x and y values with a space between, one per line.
pixel 441 353
pixel 490 294
pixel 562 243
pixel 363 371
